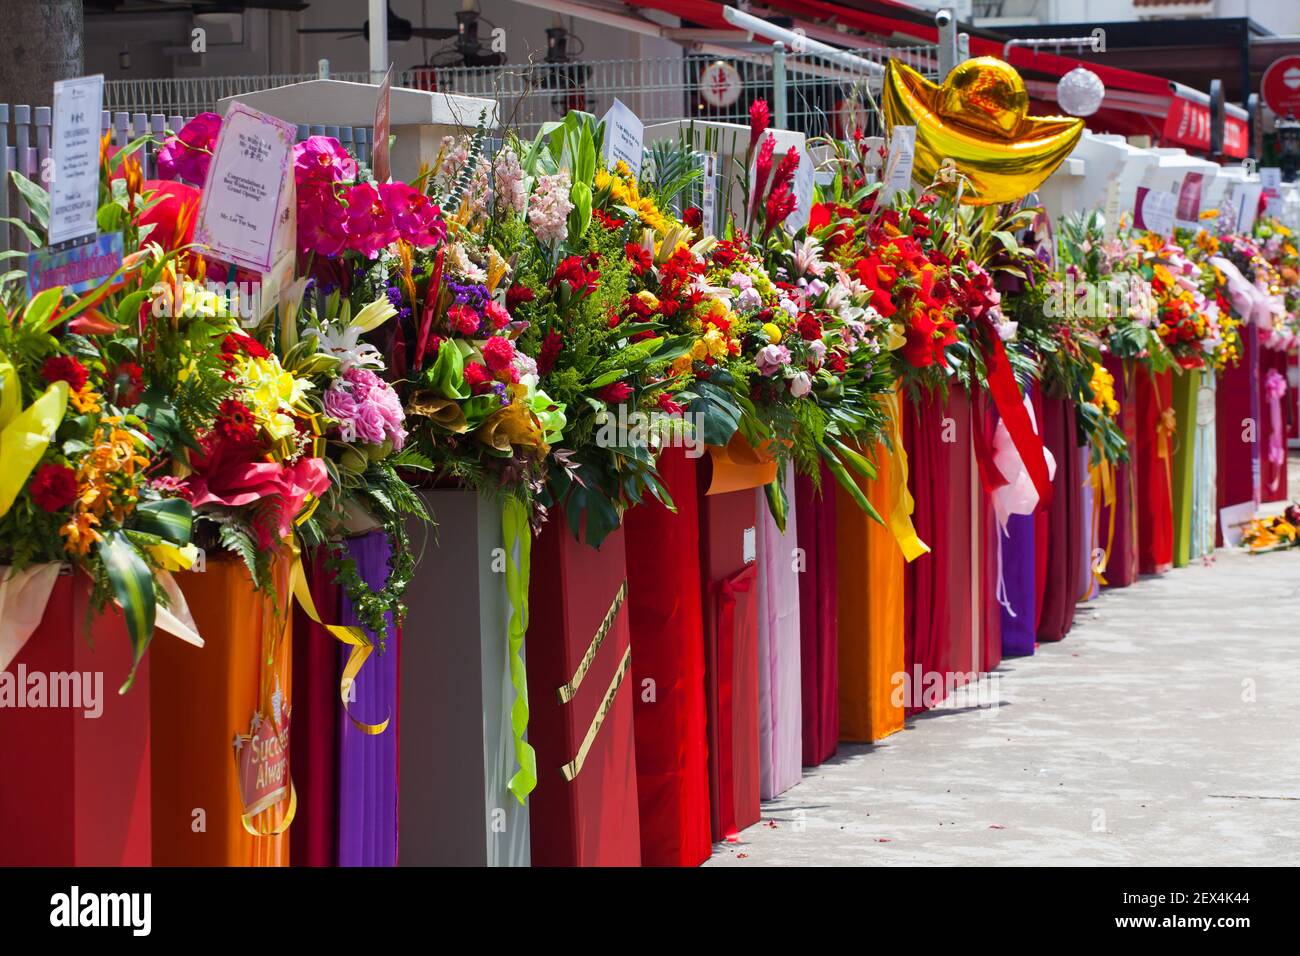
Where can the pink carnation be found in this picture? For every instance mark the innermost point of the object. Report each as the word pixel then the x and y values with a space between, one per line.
pixel 498 353
pixel 369 403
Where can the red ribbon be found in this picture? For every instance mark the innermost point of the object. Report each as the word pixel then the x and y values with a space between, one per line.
pixel 426 314
pixel 1010 405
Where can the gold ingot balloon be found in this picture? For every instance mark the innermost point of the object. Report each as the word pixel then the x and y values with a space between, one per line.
pixel 979 118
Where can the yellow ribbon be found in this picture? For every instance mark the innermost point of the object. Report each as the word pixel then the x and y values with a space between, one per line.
pixel 900 514
pixel 1102 478
pixel 284 821
pixel 352 635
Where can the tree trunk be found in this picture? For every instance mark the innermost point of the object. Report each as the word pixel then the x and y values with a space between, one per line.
pixel 41 41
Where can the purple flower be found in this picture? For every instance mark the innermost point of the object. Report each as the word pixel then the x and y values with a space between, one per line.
pixel 187 154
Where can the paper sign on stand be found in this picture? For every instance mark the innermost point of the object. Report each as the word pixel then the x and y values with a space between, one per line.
pixel 709 202
pixel 1270 181
pixel 1111 212
pixel 624 137
pixel 79 268
pixel 902 154
pixel 1187 214
pixel 247 215
pixel 1249 206
pixel 1153 210
pixel 74 188
pixel 379 158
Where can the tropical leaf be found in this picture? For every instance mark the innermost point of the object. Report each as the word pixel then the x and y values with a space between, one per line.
pixel 170 519
pixel 133 586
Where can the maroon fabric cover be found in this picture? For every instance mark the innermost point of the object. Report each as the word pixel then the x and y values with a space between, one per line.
pixel 730 657
pixel 1122 568
pixel 1155 499
pixel 666 615
pixel 818 618
pixel 591 819
pixel 938 630
pixel 313 745
pixel 1064 521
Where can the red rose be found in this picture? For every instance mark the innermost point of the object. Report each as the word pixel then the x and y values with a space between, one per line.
pixel 234 343
pixel 693 217
pixel 615 392
pixel 54 487
pixel 65 368
pixel 498 353
pixel 809 328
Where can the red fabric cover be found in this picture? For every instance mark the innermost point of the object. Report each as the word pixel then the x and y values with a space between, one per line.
pixel 818 618
pixel 75 791
pixel 591 820
pixel 1042 523
pixel 666 616
pixel 1234 398
pixel 1122 568
pixel 1272 477
pixel 730 658
pixel 1155 499
pixel 990 622
pixel 1065 521
pixel 313 745
pixel 938 634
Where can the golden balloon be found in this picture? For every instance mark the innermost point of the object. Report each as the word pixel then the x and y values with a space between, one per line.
pixel 979 118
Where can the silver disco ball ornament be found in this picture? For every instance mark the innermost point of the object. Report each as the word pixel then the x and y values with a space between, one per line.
pixel 1080 92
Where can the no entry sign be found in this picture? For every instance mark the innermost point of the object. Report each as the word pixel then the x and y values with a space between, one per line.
pixel 1281 86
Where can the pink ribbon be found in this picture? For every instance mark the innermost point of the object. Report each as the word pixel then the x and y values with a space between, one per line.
pixel 1274 389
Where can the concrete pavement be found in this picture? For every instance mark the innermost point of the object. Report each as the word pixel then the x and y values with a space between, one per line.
pixel 1165 730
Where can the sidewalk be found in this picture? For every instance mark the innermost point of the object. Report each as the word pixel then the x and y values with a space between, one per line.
pixel 1162 731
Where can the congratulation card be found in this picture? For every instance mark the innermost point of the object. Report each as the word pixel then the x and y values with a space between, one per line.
pixel 249 192
pixel 74 187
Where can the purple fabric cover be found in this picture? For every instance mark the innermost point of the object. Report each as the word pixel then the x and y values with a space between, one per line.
pixel 368 764
pixel 1018 575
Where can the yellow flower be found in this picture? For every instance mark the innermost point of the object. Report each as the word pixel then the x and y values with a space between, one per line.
pixel 699 350
pixel 648 298
pixel 85 401
pixel 715 342
pixel 773 333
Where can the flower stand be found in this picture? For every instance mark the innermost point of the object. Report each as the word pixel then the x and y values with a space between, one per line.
pixel 818 618
pixel 780 709
pixel 1236 429
pixel 76 787
pixel 456 750
pixel 1185 388
pixel 205 700
pixel 941 631
pixel 870 601
pixel 584 810
pixel 728 552
pixel 1157 431
pixel 1273 403
pixel 666 615
pixel 1065 521
pixel 1204 509
pixel 368 762
pixel 314 747
pixel 1117 522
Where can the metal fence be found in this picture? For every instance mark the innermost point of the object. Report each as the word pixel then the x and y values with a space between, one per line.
pixel 25 148
pixel 808 92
